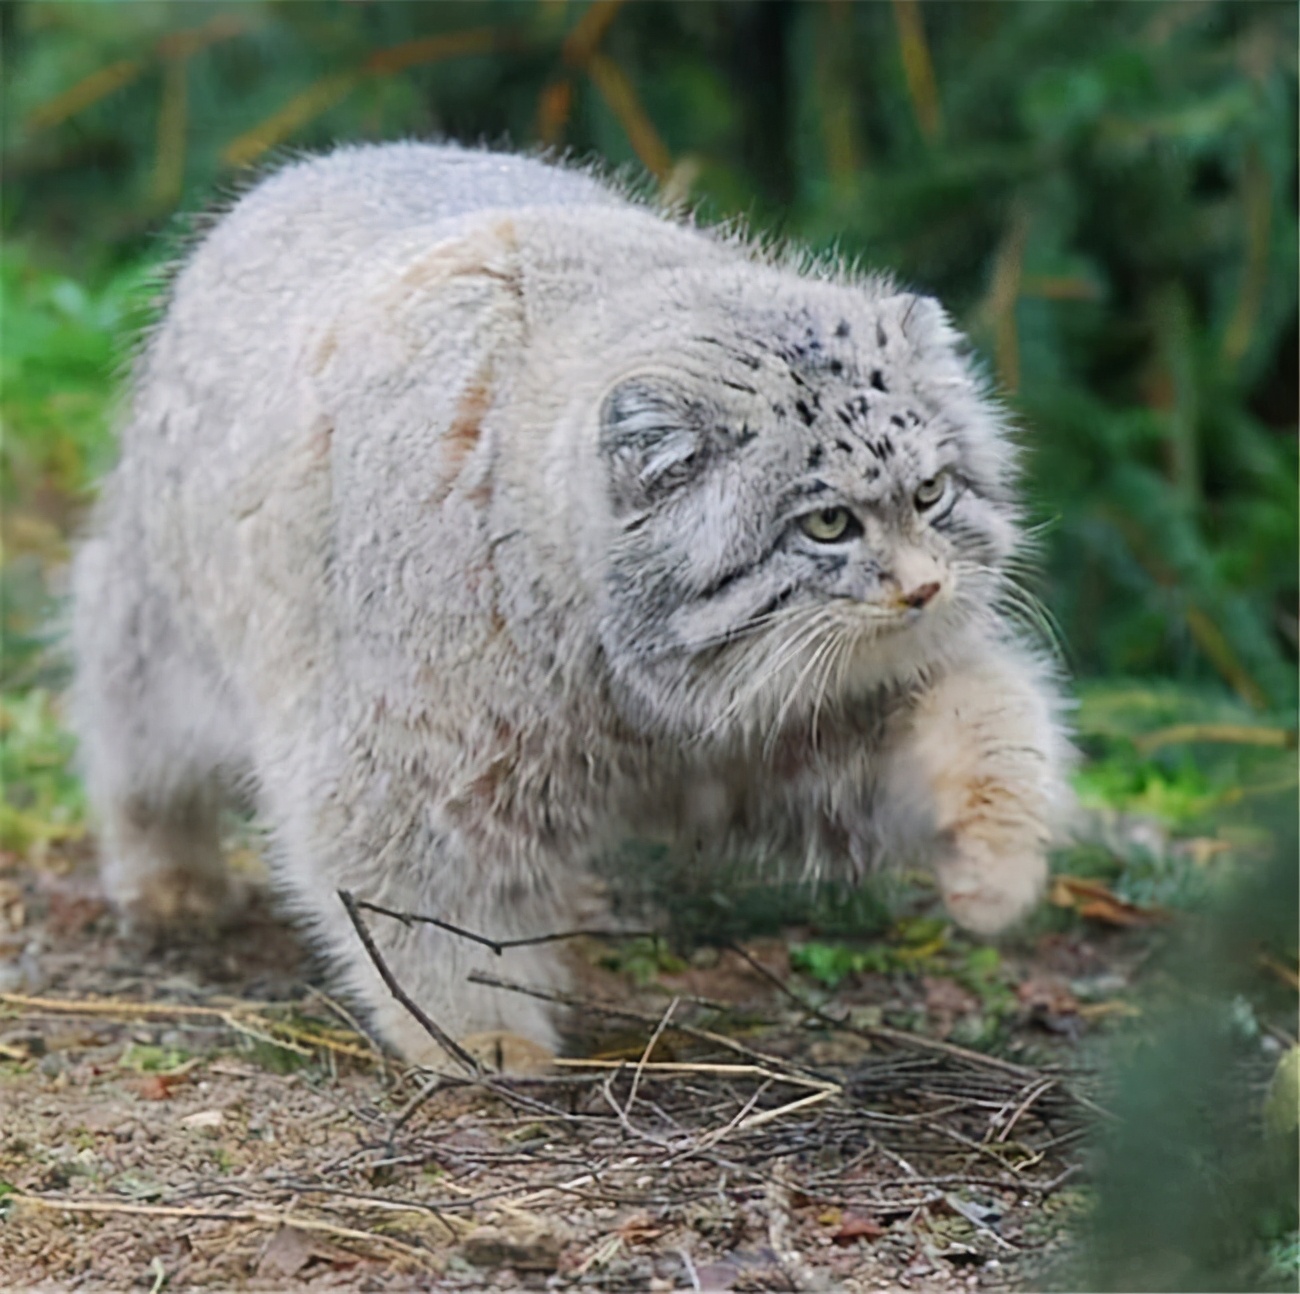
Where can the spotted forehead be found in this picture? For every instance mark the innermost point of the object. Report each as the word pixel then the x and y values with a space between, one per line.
pixel 856 413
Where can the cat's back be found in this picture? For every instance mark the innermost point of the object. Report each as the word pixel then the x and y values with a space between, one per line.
pixel 230 373
pixel 338 204
pixel 307 236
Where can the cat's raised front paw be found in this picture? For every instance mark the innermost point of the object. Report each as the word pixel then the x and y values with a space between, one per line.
pixel 987 889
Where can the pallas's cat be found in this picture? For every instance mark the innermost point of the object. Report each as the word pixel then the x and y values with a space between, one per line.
pixel 476 519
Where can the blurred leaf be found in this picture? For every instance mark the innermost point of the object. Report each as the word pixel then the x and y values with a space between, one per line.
pixel 1095 901
pixel 42 798
pixel 1282 1109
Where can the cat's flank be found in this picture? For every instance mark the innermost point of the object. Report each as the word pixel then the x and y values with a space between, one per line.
pixel 478 519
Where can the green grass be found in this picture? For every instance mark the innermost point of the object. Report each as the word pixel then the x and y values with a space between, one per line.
pixel 61 346
pixel 65 344
pixel 42 802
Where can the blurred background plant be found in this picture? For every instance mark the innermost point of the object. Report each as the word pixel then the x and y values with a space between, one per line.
pixel 1104 194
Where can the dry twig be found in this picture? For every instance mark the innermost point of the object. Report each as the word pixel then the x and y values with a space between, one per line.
pixel 429 1025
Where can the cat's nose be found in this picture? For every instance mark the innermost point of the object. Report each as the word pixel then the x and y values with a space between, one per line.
pixel 921 595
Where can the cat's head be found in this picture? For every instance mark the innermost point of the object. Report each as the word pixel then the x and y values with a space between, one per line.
pixel 810 496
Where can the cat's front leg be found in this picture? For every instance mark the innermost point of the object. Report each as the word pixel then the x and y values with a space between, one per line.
pixel 988 743
pixel 374 830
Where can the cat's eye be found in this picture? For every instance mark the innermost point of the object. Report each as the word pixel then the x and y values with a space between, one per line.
pixel 929 492
pixel 828 525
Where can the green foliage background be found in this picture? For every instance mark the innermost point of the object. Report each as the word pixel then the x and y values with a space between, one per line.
pixel 1103 193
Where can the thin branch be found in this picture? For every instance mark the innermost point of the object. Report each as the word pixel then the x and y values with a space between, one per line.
pixel 646 1054
pixel 713 1068
pixel 263 1217
pixel 430 1026
pixel 1237 734
pixel 641 1017
pixel 499 946
pixel 1035 1091
pixel 884 1032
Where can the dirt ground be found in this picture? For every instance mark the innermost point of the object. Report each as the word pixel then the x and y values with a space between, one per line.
pixel 207 1115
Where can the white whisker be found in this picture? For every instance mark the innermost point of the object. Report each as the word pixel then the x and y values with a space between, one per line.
pixel 842 648
pixel 806 624
pixel 1015 600
pixel 769 743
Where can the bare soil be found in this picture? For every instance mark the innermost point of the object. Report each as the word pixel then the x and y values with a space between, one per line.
pixel 205 1115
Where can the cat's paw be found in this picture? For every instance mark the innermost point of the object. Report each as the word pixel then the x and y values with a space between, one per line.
pixel 178 902
pixel 986 889
pixel 497 1051
pixel 500 1052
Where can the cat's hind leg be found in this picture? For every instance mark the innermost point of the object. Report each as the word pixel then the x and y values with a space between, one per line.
pixel 154 738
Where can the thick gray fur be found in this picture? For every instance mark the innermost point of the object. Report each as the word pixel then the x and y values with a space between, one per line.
pixel 459 517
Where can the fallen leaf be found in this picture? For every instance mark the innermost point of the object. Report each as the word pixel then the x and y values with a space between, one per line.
pixel 945 1001
pixel 1282 1106
pixel 525 1248
pixel 1060 895
pixel 639 1229
pixel 857 1226
pixel 159 1087
pixel 291 1251
pixel 1093 900
pixel 153 1087
pixel 203 1119
pixel 1047 997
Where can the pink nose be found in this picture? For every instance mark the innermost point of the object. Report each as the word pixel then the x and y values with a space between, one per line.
pixel 919 596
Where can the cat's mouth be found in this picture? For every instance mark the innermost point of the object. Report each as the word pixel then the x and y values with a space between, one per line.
pixel 875 619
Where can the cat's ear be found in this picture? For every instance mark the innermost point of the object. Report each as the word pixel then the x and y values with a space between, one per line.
pixel 651 439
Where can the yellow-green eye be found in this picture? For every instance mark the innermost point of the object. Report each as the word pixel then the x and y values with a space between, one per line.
pixel 827 524
pixel 928 493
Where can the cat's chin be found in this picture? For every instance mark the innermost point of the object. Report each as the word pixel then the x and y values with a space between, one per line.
pixel 898 653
